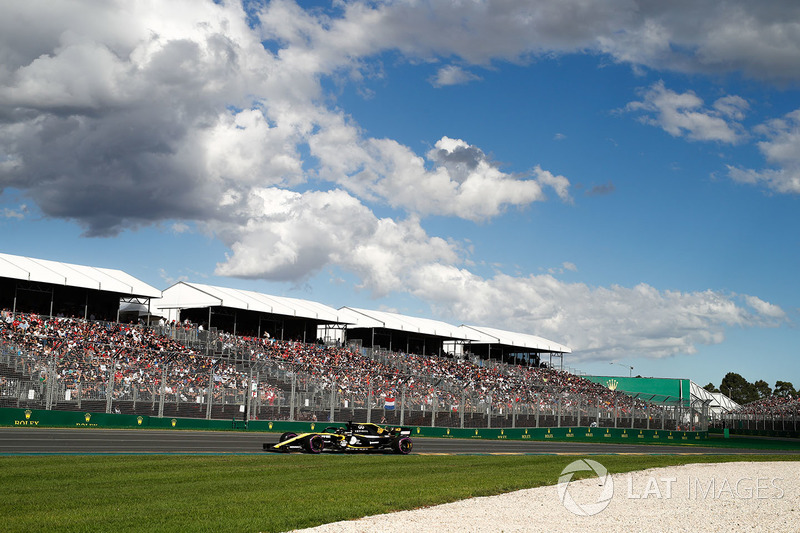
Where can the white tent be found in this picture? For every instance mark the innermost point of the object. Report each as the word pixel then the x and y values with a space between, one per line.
pixel 67 274
pixel 186 295
pixel 521 340
pixel 366 318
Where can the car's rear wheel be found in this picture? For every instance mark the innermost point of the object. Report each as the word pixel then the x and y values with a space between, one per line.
pixel 286 436
pixel 402 445
pixel 314 444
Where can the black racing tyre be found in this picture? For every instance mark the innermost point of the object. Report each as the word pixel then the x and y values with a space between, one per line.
pixel 314 444
pixel 286 436
pixel 402 445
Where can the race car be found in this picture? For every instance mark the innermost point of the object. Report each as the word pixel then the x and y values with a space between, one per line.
pixel 353 438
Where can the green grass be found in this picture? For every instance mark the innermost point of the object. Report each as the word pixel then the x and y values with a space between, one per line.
pixel 264 493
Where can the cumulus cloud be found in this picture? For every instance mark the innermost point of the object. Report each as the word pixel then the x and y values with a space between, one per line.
pixel 596 322
pixel 684 114
pixel 758 40
pixel 119 114
pixel 452 75
pixel 290 236
pixel 461 181
pixel 782 149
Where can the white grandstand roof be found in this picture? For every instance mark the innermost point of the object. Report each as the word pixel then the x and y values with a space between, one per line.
pixel 366 318
pixel 719 403
pixel 509 338
pixel 67 274
pixel 184 295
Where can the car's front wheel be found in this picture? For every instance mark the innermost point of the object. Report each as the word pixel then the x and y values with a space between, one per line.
pixel 286 436
pixel 402 445
pixel 314 444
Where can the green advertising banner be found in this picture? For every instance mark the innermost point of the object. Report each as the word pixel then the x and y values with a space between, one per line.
pixel 41 418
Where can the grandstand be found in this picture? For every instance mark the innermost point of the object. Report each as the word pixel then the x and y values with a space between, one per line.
pixel 222 353
pixel 65 289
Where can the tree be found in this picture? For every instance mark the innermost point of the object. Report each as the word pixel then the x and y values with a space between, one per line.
pixel 738 389
pixel 711 388
pixel 784 388
pixel 762 388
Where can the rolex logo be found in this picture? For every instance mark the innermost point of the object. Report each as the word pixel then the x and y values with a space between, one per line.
pixel 28 414
pixel 270 425
pixel 139 420
pixel 612 384
pixel 87 416
pixel 312 427
pixel 174 422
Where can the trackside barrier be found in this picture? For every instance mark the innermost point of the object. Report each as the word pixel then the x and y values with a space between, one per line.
pixel 756 432
pixel 44 418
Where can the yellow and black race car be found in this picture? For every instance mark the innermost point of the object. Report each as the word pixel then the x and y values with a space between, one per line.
pixel 353 438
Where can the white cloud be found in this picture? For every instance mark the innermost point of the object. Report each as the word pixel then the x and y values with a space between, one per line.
pixel 290 236
pixel 597 323
pixel 684 115
pixel 179 113
pixel 462 182
pixel 452 75
pixel 758 40
pixel 781 149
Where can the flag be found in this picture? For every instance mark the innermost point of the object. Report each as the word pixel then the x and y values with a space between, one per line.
pixel 388 403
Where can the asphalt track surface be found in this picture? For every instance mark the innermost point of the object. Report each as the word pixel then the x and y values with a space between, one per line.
pixel 37 441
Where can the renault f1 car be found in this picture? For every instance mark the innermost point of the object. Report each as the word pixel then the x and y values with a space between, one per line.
pixel 350 439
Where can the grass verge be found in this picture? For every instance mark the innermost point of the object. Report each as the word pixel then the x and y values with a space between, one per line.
pixel 265 493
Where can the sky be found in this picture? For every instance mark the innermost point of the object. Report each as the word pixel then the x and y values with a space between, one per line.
pixel 621 177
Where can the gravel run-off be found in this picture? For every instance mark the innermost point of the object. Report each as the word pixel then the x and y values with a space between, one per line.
pixel 742 496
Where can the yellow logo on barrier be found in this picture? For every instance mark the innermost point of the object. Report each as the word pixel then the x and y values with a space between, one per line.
pixel 417 430
pixel 174 422
pixel 270 425
pixel 476 431
pixel 448 431
pixel 87 416
pixel 312 427
pixel 526 431
pixel 612 384
pixel 28 414
pixel 139 420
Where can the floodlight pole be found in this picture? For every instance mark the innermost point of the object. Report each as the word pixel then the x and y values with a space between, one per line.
pixel 629 367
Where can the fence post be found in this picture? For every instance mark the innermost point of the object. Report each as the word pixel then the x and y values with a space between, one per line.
pixel 292 397
pixel 369 402
pixel 402 405
pixel 513 412
pixel 110 387
pixel 462 407
pixel 209 393
pixel 163 391
pixel 489 413
pixel 333 401
pixel 248 401
pixel 616 410
pixel 434 401
pixel 578 421
pixel 558 412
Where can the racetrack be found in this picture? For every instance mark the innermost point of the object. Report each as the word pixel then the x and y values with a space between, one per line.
pixel 141 441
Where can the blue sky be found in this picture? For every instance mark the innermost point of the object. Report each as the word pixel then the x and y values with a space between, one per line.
pixel 615 176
